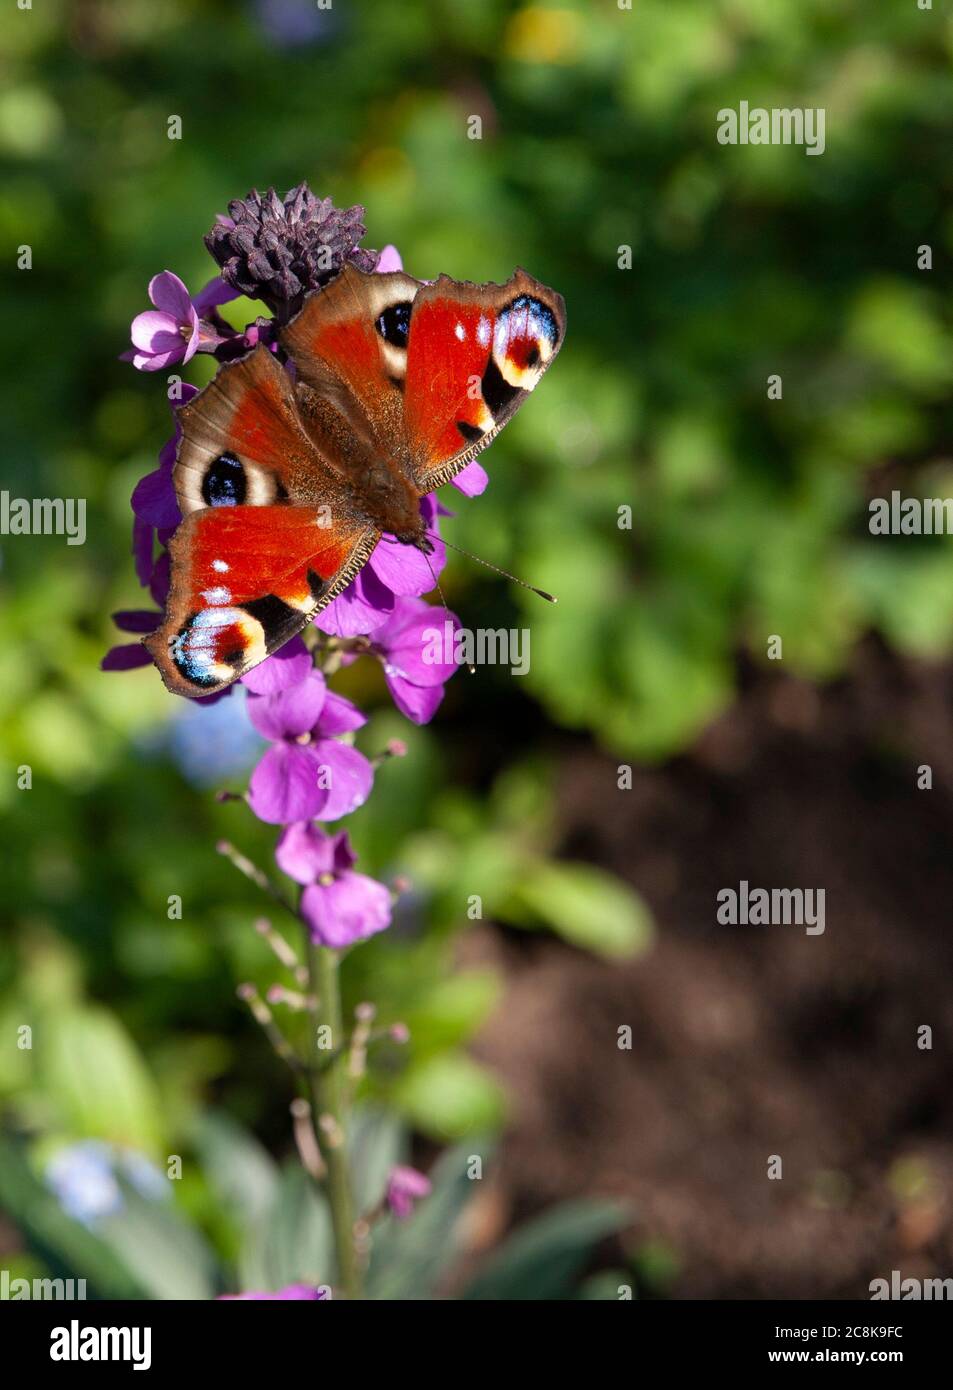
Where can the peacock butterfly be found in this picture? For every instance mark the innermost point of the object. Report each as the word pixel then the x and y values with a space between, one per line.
pixel 285 485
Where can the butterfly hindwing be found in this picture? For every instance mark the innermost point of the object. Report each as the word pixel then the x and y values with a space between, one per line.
pixel 245 580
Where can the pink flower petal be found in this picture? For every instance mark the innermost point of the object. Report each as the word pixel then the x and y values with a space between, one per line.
pixel 389 260
pixel 140 620
pixel 303 852
pixel 403 568
pixel 339 716
pixel 214 293
pixel 415 702
pixel 418 643
pixel 125 658
pixel 167 292
pixel 290 712
pixel 154 331
pixel 472 480
pixel 195 338
pixel 348 775
pixel 155 361
pixel 350 909
pixel 290 665
pixel 363 606
pixel 153 499
pixel 284 785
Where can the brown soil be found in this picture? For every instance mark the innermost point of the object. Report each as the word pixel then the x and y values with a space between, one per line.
pixel 751 1041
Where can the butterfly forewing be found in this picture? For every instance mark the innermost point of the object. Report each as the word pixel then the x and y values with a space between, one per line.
pixel 475 354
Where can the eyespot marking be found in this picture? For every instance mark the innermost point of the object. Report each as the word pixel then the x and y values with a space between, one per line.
pixel 394 324
pixel 224 484
pixel 212 643
pixel 524 341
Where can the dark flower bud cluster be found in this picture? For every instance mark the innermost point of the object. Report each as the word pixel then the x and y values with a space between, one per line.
pixel 278 249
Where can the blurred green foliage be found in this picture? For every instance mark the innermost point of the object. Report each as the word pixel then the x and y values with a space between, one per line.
pixel 749 515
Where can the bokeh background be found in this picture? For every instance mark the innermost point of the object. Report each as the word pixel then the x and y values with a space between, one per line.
pixel 749 520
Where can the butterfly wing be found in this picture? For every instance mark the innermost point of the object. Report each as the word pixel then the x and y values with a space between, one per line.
pixel 349 347
pixel 426 375
pixel 475 352
pixel 244 581
pixel 270 535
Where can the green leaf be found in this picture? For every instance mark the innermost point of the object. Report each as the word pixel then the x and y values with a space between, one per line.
pixel 449 1095
pixel 245 1180
pixel 296 1244
pixel 168 1257
pixel 584 905
pixel 542 1259
pixel 96 1075
pixel 376 1144
pixel 453 1009
pixel 239 1170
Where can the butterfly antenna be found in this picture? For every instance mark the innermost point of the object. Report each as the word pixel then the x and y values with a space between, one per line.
pixel 470 668
pixel 550 598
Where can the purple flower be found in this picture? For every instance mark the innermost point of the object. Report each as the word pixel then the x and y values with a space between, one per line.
pixel 154 505
pixel 174 331
pixel 307 773
pixel 393 570
pixel 290 1291
pixel 339 906
pixel 472 480
pixel 129 655
pixel 389 260
pixel 289 666
pixel 405 1186
pixel 417 648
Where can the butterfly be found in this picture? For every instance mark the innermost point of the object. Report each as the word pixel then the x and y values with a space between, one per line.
pixel 286 483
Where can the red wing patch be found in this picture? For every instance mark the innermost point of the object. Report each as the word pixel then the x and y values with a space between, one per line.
pixel 450 347
pixel 474 354
pixel 246 579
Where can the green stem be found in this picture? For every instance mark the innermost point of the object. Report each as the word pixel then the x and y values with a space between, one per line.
pixel 329 1097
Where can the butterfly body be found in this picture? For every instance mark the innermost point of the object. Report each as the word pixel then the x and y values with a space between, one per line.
pixel 287 485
